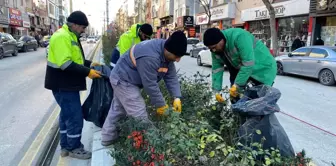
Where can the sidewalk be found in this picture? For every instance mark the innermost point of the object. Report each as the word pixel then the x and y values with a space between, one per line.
pixel 91 137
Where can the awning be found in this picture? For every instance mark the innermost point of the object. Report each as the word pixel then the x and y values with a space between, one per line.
pixel 4 25
pixel 20 28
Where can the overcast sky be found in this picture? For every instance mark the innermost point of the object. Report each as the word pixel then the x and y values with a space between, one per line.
pixel 95 9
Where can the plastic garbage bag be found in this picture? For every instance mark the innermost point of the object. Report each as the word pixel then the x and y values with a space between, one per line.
pixel 97 104
pixel 258 106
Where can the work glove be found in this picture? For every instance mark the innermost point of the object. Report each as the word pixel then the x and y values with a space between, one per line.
pixel 219 98
pixel 234 91
pixel 94 74
pixel 95 64
pixel 177 105
pixel 162 110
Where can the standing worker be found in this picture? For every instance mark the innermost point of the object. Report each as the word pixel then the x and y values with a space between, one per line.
pixel 143 66
pixel 137 33
pixel 65 76
pixel 247 59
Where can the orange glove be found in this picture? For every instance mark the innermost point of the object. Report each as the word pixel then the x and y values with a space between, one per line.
pixel 177 105
pixel 94 74
pixel 162 110
pixel 219 98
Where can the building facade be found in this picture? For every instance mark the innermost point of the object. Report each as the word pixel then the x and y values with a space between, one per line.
pixel 292 19
pixel 323 15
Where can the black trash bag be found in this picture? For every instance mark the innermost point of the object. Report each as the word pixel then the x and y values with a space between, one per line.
pixel 258 106
pixel 97 105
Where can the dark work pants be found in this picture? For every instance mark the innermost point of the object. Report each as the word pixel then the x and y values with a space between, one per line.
pixel 70 119
pixel 115 57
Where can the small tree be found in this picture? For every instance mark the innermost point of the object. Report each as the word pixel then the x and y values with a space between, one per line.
pixel 206 6
pixel 274 37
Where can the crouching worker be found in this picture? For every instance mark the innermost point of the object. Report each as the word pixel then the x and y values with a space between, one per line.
pixel 143 66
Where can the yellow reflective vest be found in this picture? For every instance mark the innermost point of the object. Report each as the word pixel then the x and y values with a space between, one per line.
pixel 66 66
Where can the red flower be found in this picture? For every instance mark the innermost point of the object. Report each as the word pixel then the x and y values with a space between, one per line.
pixel 152 149
pixel 153 156
pixel 151 164
pixel 161 157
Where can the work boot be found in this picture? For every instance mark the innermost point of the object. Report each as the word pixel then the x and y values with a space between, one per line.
pixel 64 153
pixel 80 153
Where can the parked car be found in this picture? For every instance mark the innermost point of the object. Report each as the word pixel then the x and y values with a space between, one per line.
pixel 190 43
pixel 27 42
pixel 314 61
pixel 197 48
pixel 204 57
pixel 45 41
pixel 8 45
pixel 91 39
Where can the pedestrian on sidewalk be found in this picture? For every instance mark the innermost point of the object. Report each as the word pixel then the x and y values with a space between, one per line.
pixel 66 75
pixel 143 66
pixel 137 33
pixel 247 59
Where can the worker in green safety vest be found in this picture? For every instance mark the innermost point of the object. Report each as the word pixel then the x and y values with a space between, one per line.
pixel 247 59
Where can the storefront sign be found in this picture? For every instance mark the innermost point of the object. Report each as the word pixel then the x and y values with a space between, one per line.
pixel 188 21
pixel 223 12
pixel 192 32
pixel 325 5
pixel 179 22
pixel 15 17
pixel 25 20
pixel 4 15
pixel 282 9
pixel 202 19
pixel 262 14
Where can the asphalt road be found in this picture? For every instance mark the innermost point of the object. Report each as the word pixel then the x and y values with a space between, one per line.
pixel 302 98
pixel 24 103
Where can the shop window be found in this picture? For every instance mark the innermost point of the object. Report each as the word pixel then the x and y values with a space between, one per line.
pixel 300 52
pixel 289 29
pixel 261 30
pixel 318 53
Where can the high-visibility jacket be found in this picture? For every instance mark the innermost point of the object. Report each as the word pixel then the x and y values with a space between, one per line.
pixel 66 66
pixel 244 53
pixel 128 39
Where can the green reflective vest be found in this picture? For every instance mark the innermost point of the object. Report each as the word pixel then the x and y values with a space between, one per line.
pixel 64 49
pixel 128 39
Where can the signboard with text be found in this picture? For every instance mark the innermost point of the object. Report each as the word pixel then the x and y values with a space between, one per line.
pixel 282 9
pixel 15 17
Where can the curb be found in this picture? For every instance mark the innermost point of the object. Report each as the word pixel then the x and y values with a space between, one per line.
pixel 41 147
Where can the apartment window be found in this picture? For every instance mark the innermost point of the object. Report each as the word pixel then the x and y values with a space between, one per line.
pixel 187 11
pixel 180 11
pixel 176 13
pixel 51 9
pixel 21 3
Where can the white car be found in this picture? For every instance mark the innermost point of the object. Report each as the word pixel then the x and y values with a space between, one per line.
pixel 204 57
pixel 91 39
pixel 191 42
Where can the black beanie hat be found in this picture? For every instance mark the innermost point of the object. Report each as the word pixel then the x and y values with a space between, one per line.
pixel 79 18
pixel 212 36
pixel 146 29
pixel 177 44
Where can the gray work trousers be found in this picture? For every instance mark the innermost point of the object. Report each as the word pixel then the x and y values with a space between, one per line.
pixel 127 101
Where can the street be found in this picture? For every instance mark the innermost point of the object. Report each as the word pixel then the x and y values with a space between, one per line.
pixel 303 98
pixel 24 102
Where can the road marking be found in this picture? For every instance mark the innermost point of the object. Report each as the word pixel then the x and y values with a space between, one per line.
pixel 37 143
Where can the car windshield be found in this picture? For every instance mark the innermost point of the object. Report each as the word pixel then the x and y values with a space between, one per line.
pixel 22 38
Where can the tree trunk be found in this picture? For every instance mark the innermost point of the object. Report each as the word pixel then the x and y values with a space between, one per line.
pixel 274 34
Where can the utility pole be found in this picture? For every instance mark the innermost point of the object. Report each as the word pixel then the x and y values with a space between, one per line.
pixel 71 6
pixel 107 12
